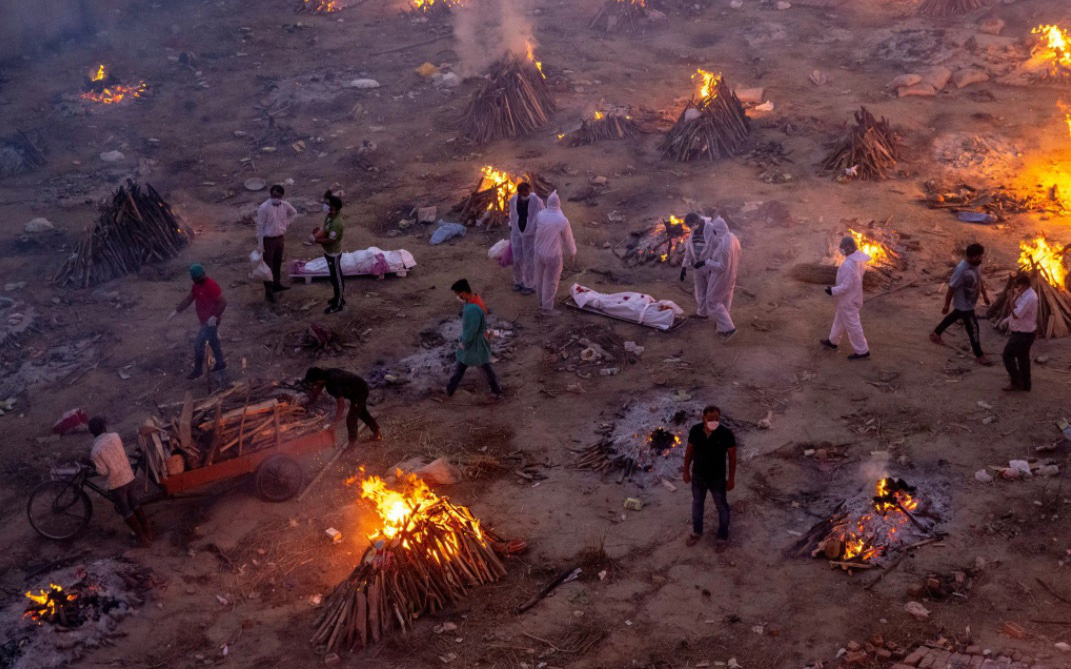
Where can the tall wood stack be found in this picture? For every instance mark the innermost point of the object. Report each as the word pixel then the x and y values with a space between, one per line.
pixel 713 127
pixel 867 152
pixel 603 126
pixel 513 100
pixel 614 13
pixel 243 419
pixel 939 8
pixel 135 227
pixel 439 555
pixel 1054 304
pixel 484 206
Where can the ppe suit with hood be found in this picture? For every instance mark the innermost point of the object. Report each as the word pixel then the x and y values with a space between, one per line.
pixel 700 247
pixel 553 236
pixel 849 296
pixel 522 242
pixel 723 265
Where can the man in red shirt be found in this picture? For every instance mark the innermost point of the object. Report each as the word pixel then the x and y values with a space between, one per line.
pixel 207 298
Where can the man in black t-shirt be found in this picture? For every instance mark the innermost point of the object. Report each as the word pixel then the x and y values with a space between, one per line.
pixel 343 385
pixel 711 446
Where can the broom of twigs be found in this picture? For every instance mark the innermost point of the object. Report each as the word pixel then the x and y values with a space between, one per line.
pixel 432 563
pixel 1054 304
pixel 937 8
pixel 605 126
pixel 135 228
pixel 614 12
pixel 867 152
pixel 514 100
pixel 483 205
pixel 714 127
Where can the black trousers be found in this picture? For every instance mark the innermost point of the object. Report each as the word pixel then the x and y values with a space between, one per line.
pixel 273 257
pixel 334 267
pixel 1017 358
pixel 970 324
pixel 359 411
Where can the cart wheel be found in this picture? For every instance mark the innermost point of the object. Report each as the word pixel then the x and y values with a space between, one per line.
pixel 279 478
pixel 58 509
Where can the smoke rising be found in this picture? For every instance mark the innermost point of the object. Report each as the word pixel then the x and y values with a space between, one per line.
pixel 485 29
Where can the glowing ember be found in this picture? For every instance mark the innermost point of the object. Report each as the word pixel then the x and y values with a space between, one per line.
pixel 599 116
pixel 105 89
pixel 869 534
pixel 425 6
pixel 708 84
pixel 894 494
pixel 44 604
pixel 531 57
pixel 1054 48
pixel 872 248
pixel 323 6
pixel 1047 257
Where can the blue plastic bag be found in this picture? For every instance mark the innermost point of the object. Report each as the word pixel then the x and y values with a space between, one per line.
pixel 447 231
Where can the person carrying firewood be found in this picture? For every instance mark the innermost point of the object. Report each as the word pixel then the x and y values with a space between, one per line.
pixel 110 460
pixel 207 298
pixel 343 385
pixel 710 466
pixel 964 288
pixel 274 216
pixel 1023 324
pixel 524 206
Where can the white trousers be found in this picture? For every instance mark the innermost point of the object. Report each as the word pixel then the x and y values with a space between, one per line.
pixel 704 281
pixel 847 320
pixel 523 261
pixel 548 272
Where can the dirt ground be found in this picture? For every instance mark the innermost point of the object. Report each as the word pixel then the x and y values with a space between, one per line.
pixel 241 573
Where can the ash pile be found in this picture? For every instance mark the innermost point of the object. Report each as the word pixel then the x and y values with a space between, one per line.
pixel 70 612
pixel 646 441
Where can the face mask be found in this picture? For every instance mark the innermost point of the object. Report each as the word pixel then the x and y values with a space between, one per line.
pixel 712 425
pixel 276 202
pixel 326 208
pixel 525 197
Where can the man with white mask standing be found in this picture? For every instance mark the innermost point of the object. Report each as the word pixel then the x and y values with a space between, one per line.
pixel 710 467
pixel 274 216
pixel 849 296
pixel 524 206
pixel 553 236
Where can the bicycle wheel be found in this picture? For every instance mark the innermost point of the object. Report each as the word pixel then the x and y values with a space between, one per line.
pixel 279 478
pixel 58 509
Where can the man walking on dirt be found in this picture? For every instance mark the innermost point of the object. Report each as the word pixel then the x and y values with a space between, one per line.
pixel 207 298
pixel 473 349
pixel 964 288
pixel 274 216
pixel 710 466
pixel 110 460
pixel 343 385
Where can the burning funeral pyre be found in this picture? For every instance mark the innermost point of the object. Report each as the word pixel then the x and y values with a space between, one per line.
pixel 1045 262
pixel 246 418
pixel 862 531
pixel 663 243
pixel 319 6
pixel 426 556
pixel 885 248
pixel 712 126
pixel 937 8
pixel 513 100
pixel 867 152
pixel 620 12
pixel 74 610
pixel 105 88
pixel 432 7
pixel 603 125
pixel 488 203
pixel 1052 53
pixel 135 228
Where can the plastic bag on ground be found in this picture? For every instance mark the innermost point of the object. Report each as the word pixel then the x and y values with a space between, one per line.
pixel 507 258
pixel 259 269
pixel 447 231
pixel 498 249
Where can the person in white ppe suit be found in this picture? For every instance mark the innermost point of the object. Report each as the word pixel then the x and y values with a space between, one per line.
pixel 524 206
pixel 723 265
pixel 553 236
pixel 849 296
pixel 699 247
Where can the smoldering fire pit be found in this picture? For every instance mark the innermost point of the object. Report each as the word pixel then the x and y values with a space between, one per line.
pixel 71 611
pixel 871 527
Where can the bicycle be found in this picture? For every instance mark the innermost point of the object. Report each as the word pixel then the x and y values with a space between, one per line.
pixel 60 508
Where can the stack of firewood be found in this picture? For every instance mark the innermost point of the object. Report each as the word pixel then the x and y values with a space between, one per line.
pixel 439 555
pixel 616 12
pixel 1054 304
pixel 714 127
pixel 243 419
pixel 663 243
pixel 136 227
pixel 937 8
pixel 867 152
pixel 486 205
pixel 514 100
pixel 603 126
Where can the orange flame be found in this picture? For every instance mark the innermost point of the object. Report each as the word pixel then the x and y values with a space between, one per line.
pixel 111 94
pixel 874 249
pixel 503 182
pixel 599 116
pixel 98 75
pixel 1055 47
pixel 44 602
pixel 531 57
pixel 708 84
pixel 323 6
pixel 884 489
pixel 1047 257
pixel 426 6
